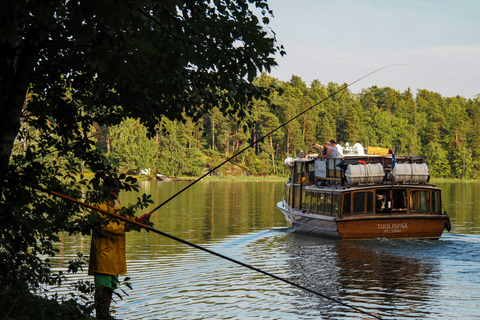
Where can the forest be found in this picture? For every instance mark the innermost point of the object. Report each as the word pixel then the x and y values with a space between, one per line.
pixel 443 129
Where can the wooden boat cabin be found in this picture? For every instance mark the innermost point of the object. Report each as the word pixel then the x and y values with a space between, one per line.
pixel 362 197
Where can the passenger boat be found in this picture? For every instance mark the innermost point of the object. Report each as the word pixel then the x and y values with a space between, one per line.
pixel 363 196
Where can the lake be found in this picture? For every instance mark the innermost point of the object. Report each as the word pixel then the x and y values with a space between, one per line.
pixel 392 279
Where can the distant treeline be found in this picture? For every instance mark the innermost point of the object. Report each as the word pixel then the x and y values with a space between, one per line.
pixel 444 130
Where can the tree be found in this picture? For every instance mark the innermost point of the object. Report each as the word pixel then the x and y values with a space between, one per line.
pixel 293 134
pixel 437 160
pixel 474 138
pixel 92 63
pixel 131 149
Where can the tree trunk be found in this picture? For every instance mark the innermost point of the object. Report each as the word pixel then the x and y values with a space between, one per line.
pixel 213 131
pixel 227 142
pixel 15 74
pixel 273 154
pixel 288 141
pixel 255 146
pixel 304 126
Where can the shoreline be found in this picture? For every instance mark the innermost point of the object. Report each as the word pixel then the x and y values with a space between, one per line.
pixel 264 178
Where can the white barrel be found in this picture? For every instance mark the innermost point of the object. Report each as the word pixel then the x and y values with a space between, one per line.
pixel 410 172
pixel 369 173
pixel 358 148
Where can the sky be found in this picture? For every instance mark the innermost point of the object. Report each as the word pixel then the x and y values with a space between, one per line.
pixel 431 44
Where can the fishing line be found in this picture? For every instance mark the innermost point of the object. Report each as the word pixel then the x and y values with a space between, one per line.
pixel 196 246
pixel 268 134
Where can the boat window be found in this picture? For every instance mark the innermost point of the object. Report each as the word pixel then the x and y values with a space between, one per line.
pixel 382 201
pixel 308 198
pixel 290 195
pixel 287 194
pixel 335 203
pixel 299 173
pixel 314 202
pixel 321 202
pixel 435 202
pixel 358 202
pixel 298 192
pixel 423 201
pixel 311 173
pixel 302 204
pixel 400 200
pixel 419 201
pixel 328 203
pixel 363 202
pixel 346 204
pixel 369 202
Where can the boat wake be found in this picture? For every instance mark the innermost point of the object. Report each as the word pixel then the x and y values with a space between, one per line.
pixel 241 240
pixel 461 237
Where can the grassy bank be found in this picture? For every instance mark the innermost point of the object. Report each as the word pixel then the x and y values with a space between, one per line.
pixel 246 178
pixel 270 178
pixel 442 180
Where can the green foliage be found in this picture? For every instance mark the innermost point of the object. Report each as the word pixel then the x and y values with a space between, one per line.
pixel 32 221
pixel 437 160
pixel 195 162
pixel 131 149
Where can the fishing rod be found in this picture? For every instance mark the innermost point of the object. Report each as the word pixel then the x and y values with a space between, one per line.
pixel 196 246
pixel 147 215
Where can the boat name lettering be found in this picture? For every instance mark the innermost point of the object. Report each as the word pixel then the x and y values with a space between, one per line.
pixel 392 227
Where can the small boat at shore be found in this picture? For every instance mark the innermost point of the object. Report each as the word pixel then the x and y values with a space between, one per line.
pixel 363 196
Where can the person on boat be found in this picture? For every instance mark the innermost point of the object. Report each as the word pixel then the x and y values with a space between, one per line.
pixel 315 155
pixel 337 146
pixel 332 151
pixel 334 144
pixel 107 254
pixel 325 147
pixel 317 146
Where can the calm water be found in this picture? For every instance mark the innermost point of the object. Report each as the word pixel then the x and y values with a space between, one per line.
pixel 394 279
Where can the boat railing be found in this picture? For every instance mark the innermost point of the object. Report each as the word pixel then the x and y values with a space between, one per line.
pixel 328 171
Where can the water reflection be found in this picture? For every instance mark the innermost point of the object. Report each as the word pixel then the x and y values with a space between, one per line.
pixel 380 280
pixel 389 278
pixel 214 210
pixel 461 201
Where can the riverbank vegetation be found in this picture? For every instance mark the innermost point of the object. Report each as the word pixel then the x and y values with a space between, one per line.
pixel 443 129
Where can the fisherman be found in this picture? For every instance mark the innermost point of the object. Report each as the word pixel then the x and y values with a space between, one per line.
pixel 107 253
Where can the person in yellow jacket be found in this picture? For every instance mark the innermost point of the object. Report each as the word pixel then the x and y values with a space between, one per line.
pixel 108 255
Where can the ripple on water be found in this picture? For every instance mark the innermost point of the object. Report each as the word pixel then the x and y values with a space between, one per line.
pixel 404 279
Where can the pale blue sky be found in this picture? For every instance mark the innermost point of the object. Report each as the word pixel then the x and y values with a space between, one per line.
pixel 342 40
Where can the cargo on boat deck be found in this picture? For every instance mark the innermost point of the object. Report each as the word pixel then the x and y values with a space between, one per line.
pixel 410 172
pixel 369 173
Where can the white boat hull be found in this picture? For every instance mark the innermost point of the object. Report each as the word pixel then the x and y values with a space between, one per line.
pixel 319 225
